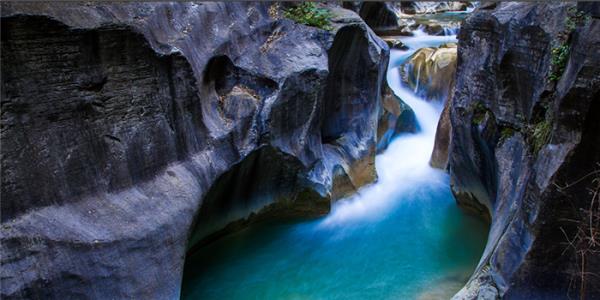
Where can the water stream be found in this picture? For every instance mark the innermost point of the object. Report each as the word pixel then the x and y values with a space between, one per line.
pixel 400 238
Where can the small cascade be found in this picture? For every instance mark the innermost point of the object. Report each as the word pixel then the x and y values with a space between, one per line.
pixel 420 39
pixel 404 166
pixel 426 7
pixel 451 31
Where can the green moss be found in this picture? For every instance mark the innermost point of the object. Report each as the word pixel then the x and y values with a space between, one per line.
pixel 540 135
pixel 506 132
pixel 308 13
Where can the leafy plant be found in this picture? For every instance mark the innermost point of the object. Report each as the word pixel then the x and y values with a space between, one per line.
pixel 560 55
pixel 308 13
pixel 575 18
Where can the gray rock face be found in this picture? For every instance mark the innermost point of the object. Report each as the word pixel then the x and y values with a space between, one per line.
pixel 524 149
pixel 379 14
pixel 123 124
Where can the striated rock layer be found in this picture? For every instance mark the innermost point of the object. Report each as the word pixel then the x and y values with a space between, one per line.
pixel 128 129
pixel 526 150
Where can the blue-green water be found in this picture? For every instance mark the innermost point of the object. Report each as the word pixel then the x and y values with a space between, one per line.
pixel 424 246
pixel 400 238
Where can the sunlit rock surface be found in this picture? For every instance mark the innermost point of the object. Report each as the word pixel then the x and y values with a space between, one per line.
pixel 524 148
pixel 430 72
pixel 118 120
pixel 439 155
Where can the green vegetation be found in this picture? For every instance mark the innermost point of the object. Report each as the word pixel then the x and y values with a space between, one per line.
pixel 506 132
pixel 560 55
pixel 308 13
pixel 541 135
pixel 575 18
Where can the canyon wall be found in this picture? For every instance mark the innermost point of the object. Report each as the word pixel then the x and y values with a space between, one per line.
pixel 525 147
pixel 129 129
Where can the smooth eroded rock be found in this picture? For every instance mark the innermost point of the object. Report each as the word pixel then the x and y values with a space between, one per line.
pixel 120 119
pixel 430 72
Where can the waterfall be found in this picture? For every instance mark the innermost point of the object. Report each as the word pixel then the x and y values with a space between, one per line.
pixel 451 31
pixel 404 167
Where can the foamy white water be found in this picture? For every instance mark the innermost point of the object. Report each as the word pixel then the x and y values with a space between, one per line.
pixel 421 39
pixel 404 166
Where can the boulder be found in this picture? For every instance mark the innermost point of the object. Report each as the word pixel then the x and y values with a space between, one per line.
pixel 379 14
pixel 430 71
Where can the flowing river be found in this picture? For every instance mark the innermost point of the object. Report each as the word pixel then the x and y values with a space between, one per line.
pixel 400 238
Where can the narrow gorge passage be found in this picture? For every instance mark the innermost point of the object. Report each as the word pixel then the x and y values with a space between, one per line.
pixel 402 237
pixel 300 150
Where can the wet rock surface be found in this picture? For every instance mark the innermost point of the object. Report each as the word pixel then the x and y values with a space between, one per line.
pixel 396 118
pixel 524 148
pixel 118 120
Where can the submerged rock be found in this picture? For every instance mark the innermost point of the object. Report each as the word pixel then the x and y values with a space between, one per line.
pixel 119 119
pixel 525 148
pixel 395 43
pixel 430 71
